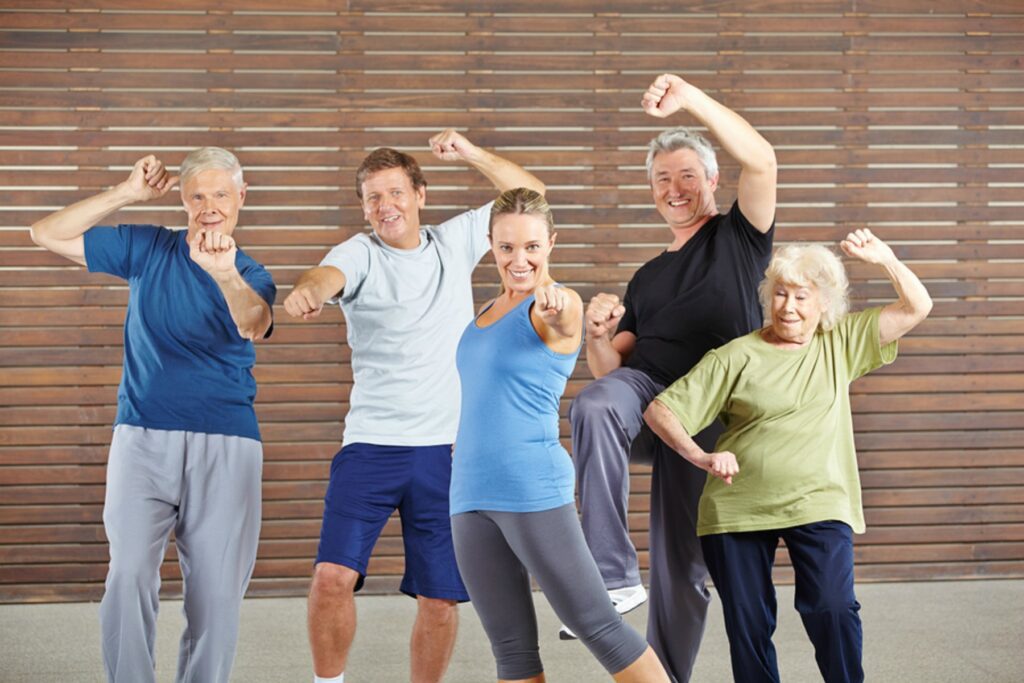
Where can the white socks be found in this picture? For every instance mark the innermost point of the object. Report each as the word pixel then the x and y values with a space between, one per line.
pixel 340 678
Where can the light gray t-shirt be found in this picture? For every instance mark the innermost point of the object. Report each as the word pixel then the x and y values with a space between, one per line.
pixel 405 310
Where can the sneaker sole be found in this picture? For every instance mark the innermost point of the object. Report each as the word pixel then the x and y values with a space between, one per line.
pixel 631 604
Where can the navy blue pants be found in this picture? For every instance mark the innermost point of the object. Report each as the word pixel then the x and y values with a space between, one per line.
pixel 822 554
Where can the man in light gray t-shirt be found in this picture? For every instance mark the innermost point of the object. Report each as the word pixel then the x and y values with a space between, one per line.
pixel 406 293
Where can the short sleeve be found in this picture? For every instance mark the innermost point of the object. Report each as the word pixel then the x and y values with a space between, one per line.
pixel 120 251
pixel 257 277
pixel 698 397
pixel 760 243
pixel 469 228
pixel 859 336
pixel 628 321
pixel 352 258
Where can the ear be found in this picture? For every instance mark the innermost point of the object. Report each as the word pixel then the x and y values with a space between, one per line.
pixel 551 241
pixel 714 181
pixel 421 196
pixel 241 194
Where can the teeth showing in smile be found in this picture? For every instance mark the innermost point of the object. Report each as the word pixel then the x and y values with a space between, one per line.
pixel 389 219
pixel 678 202
pixel 521 274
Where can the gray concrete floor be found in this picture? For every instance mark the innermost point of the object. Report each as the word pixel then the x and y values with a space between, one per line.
pixel 961 631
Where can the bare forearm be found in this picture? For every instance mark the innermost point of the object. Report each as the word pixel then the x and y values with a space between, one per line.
pixel 602 357
pixel 668 428
pixel 73 221
pixel 504 174
pixel 248 309
pixel 739 139
pixel 325 281
pixel 913 306
pixel 911 291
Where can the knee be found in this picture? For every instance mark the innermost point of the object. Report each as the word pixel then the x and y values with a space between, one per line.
pixel 133 571
pixel 438 612
pixel 595 401
pixel 837 605
pixel 332 582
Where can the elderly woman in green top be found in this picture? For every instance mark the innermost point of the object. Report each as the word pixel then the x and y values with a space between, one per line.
pixel 786 465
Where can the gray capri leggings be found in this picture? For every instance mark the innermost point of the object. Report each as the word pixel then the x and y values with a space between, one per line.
pixel 498 551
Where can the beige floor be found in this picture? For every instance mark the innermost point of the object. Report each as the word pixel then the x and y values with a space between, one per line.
pixel 962 631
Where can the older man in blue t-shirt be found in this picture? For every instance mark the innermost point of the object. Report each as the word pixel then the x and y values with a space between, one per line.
pixel 186 452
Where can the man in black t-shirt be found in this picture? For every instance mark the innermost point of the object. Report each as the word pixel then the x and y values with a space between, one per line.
pixel 697 295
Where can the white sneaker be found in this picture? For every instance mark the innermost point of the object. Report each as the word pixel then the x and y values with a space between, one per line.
pixel 624 600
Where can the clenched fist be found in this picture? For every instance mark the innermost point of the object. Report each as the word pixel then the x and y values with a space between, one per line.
pixel 603 315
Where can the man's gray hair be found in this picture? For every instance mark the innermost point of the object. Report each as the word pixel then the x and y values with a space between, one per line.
pixel 206 158
pixel 683 138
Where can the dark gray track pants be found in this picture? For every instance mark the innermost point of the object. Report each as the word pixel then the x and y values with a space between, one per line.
pixel 608 434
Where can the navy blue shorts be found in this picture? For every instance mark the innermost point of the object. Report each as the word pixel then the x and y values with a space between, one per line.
pixel 368 482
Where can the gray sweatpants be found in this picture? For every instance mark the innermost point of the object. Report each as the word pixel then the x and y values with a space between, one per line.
pixel 608 433
pixel 206 488
pixel 498 551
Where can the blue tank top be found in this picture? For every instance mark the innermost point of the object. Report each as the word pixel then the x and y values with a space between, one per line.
pixel 507 454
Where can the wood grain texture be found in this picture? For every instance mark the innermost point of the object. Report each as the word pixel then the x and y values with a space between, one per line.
pixel 902 115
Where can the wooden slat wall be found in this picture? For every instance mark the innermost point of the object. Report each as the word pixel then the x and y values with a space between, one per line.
pixel 902 115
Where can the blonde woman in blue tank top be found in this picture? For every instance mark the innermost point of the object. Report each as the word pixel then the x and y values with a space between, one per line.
pixel 512 505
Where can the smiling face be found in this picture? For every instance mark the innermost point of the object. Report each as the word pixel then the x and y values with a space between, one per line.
pixel 212 200
pixel 683 194
pixel 521 246
pixel 392 207
pixel 796 312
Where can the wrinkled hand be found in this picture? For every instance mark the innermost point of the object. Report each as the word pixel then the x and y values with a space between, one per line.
pixel 450 145
pixel 665 96
pixel 603 315
pixel 550 301
pixel 149 179
pixel 723 465
pixel 214 252
pixel 305 302
pixel 861 244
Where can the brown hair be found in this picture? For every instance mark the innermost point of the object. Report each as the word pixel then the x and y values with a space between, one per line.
pixel 383 158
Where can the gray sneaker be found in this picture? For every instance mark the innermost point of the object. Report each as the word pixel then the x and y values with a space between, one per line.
pixel 624 600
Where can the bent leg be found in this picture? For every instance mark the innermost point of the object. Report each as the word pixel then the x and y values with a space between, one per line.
pixel 741 567
pixel 433 639
pixel 606 416
pixel 139 510
pixel 500 590
pixel 217 535
pixel 364 489
pixel 822 555
pixel 679 594
pixel 550 545
pixel 431 572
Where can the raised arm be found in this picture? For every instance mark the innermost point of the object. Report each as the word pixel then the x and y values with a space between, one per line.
pixel 606 349
pixel 215 253
pixel 664 423
pixel 914 303
pixel 61 232
pixel 758 167
pixel 558 316
pixel 312 290
pixel 450 145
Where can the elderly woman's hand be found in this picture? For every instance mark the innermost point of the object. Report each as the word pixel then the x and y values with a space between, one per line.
pixel 722 465
pixel 861 244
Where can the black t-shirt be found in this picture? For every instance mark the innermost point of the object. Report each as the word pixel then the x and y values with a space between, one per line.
pixel 681 304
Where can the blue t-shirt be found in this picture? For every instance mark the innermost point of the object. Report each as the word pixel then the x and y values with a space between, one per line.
pixel 185 365
pixel 507 454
